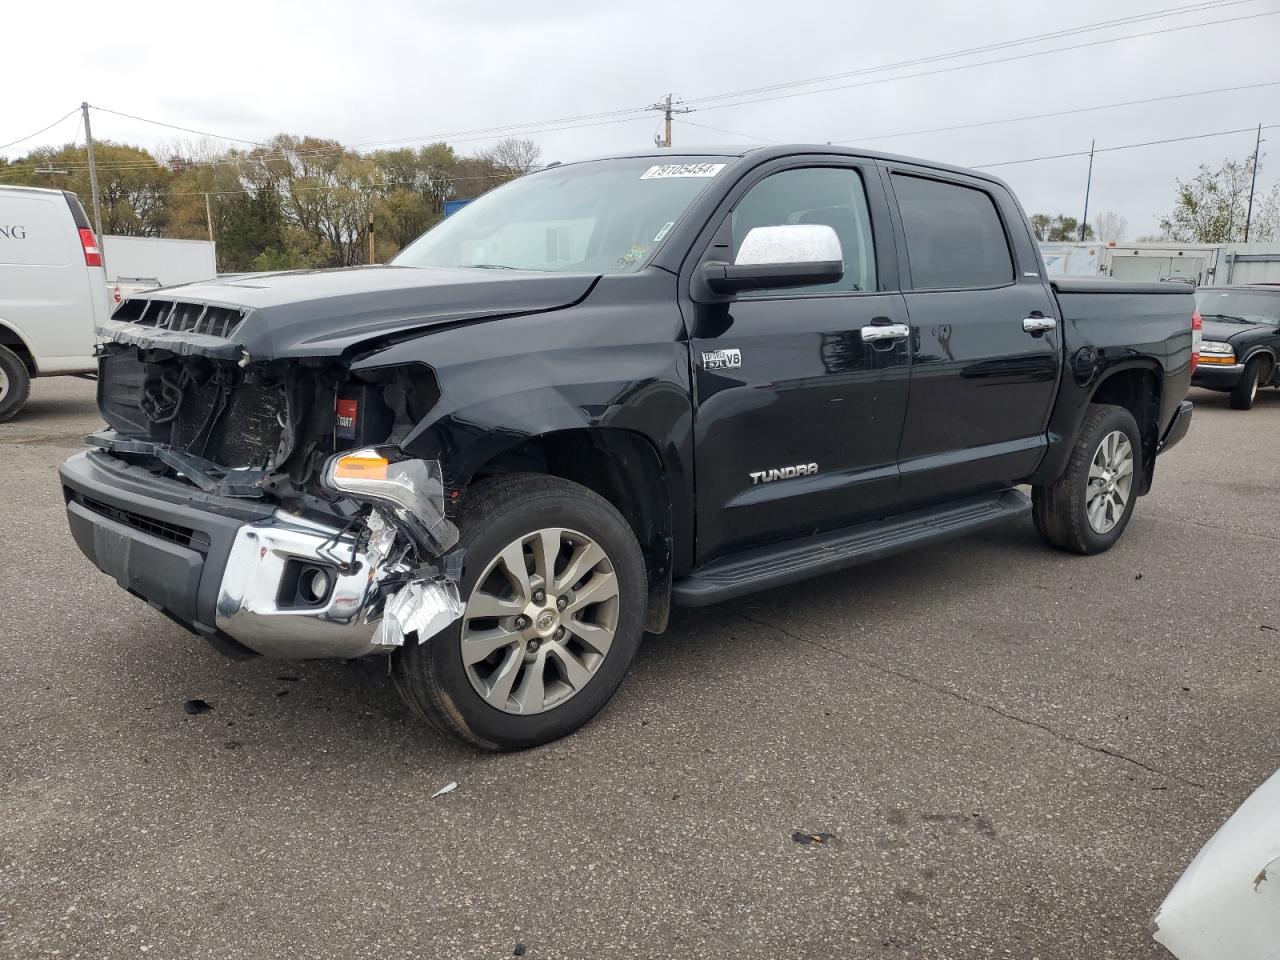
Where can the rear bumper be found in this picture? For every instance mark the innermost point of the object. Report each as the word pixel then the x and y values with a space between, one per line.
pixel 1178 428
pixel 1217 376
pixel 226 569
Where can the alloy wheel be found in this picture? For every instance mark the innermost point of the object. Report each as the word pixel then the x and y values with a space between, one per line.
pixel 539 621
pixel 1110 482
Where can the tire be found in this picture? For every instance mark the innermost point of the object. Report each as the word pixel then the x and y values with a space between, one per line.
pixel 555 681
pixel 15 383
pixel 1244 393
pixel 1062 511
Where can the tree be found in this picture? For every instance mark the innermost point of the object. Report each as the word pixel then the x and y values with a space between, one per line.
pixel 133 185
pixel 1058 229
pixel 1213 206
pixel 514 156
pixel 1111 227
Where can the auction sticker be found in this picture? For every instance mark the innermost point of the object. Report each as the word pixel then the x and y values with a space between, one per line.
pixel 663 171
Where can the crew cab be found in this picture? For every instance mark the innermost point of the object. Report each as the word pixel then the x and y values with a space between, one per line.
pixel 604 388
pixel 1241 346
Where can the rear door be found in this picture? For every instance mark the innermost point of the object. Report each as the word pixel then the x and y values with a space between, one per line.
pixel 984 332
pixel 797 418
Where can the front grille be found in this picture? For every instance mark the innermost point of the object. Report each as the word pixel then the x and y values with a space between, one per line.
pixel 172 532
pixel 181 317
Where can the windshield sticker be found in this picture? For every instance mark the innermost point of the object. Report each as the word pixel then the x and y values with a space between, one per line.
pixel 666 228
pixel 663 171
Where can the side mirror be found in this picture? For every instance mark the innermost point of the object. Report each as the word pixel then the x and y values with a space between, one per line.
pixel 773 258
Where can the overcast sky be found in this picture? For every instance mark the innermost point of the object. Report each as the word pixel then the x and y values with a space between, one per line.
pixel 383 71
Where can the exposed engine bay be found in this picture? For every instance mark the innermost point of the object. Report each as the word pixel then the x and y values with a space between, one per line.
pixel 250 429
pixel 354 553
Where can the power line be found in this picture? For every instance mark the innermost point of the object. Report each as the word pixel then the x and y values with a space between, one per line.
pixel 1123 146
pixel 986 63
pixel 172 126
pixel 732 133
pixel 1056 113
pixel 985 48
pixel 620 115
pixel 41 130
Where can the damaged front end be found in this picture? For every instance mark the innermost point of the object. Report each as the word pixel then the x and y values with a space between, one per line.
pixel 348 551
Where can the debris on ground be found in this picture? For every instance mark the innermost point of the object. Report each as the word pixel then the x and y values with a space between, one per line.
pixel 519 950
pixel 449 787
pixel 192 707
pixel 233 744
pixel 1267 626
pixel 807 838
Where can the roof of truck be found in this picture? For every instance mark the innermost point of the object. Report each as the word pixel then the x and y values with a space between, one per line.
pixel 773 151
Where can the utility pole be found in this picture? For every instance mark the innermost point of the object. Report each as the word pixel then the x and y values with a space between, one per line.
pixel 1084 221
pixel 208 216
pixel 666 107
pixel 93 174
pixel 1257 146
pixel 371 235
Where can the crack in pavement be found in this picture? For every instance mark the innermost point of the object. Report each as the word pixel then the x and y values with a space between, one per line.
pixel 991 708
pixel 1212 526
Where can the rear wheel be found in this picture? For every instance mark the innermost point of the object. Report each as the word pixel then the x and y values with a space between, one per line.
pixel 15 383
pixel 554 586
pixel 1246 391
pixel 1089 506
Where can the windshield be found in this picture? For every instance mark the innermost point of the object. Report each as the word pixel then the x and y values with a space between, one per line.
pixel 1236 306
pixel 605 216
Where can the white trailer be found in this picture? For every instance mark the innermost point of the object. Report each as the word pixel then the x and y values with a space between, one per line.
pixel 141 263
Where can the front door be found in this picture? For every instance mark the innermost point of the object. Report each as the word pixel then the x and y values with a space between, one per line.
pixel 797 417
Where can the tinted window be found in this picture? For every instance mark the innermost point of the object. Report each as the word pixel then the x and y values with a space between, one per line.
pixel 954 235
pixel 826 195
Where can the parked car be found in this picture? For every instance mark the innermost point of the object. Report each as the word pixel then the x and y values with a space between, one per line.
pixel 1227 902
pixel 1241 342
pixel 52 290
pixel 481 459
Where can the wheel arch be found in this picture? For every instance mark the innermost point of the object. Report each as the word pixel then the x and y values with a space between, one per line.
pixel 1137 388
pixel 624 468
pixel 1261 350
pixel 11 338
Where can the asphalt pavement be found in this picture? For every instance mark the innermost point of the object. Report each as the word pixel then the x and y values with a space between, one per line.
pixel 1015 753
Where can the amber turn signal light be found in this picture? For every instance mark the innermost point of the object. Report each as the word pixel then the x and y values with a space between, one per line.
pixel 360 466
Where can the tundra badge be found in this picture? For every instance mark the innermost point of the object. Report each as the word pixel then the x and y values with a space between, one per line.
pixel 722 359
pixel 783 473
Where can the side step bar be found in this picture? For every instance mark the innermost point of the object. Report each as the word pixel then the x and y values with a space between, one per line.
pixel 783 563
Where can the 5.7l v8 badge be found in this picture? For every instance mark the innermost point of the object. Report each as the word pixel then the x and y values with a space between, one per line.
pixel 722 359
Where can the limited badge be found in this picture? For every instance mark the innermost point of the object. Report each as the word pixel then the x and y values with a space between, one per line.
pixel 722 359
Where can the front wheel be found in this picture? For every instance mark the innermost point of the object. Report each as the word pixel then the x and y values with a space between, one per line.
pixel 1089 506
pixel 554 585
pixel 1246 391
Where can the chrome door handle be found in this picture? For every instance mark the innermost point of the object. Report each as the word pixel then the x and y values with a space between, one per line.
pixel 889 331
pixel 1038 324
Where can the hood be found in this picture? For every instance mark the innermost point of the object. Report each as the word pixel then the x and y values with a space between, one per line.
pixel 1225 330
pixel 317 313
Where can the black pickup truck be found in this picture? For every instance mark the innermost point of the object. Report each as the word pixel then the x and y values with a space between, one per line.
pixel 603 388
pixel 1241 347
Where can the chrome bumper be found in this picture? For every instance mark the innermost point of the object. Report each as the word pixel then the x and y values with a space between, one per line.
pixel 261 605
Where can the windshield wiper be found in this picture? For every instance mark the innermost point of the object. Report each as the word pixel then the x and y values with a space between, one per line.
pixel 490 266
pixel 1225 316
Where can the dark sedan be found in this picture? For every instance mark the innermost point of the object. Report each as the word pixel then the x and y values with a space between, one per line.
pixel 1241 341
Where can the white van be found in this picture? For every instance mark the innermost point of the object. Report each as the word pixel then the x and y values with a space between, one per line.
pixel 53 290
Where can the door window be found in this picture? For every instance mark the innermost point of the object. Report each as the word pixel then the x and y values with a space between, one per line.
pixel 832 196
pixel 954 235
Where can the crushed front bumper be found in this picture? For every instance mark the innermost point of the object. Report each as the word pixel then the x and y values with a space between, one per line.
pixel 240 573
